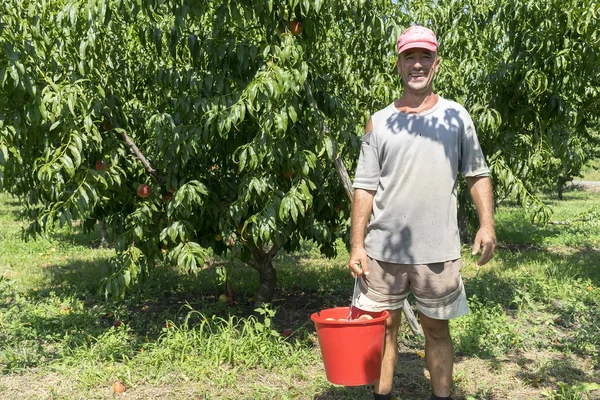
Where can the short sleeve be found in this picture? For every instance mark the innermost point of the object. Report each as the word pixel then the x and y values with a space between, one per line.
pixel 368 169
pixel 472 160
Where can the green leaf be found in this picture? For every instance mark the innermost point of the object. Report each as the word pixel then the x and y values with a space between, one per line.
pixel 127 278
pixel 3 76
pixel 193 46
pixel 242 160
pixel 71 104
pixel 292 114
pixel 328 146
pixel 3 153
pixel 76 155
pixel 306 6
pixel 317 5
pixel 284 209
pixel 68 164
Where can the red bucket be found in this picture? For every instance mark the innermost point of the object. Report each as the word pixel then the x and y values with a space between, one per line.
pixel 351 350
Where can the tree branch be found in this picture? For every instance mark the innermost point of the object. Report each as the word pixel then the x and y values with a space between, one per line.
pixel 134 149
pixel 339 164
pixel 273 252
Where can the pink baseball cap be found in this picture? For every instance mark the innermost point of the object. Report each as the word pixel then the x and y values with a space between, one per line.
pixel 417 37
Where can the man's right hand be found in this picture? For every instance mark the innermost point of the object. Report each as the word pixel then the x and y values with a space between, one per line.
pixel 358 262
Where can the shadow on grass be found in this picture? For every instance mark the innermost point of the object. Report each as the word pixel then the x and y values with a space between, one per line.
pixel 11 202
pixel 166 294
pixel 516 232
pixel 553 268
pixel 572 225
pixel 77 237
pixel 559 369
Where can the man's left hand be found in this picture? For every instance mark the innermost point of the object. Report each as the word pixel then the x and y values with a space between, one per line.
pixel 485 238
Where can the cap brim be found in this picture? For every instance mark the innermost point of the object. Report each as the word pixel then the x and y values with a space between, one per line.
pixel 418 45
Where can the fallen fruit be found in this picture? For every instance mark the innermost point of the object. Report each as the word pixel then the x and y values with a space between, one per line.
pixel 590 288
pixel 287 333
pixel 117 323
pixel 118 387
pixel 223 298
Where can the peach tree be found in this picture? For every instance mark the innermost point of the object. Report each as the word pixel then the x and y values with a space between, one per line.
pixel 187 127
pixel 527 73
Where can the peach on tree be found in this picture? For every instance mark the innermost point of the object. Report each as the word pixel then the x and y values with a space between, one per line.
pixel 143 190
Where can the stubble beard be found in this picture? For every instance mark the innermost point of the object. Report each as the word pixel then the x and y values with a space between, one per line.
pixel 423 86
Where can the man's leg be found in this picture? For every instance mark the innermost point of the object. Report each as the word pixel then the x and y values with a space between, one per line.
pixel 383 385
pixel 439 354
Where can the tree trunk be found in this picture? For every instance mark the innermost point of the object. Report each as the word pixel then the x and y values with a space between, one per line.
pixel 103 233
pixel 263 263
pixel 560 186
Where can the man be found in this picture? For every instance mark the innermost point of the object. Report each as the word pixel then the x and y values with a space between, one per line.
pixel 405 196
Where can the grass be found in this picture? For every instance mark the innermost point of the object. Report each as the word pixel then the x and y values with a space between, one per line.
pixel 532 333
pixel 592 171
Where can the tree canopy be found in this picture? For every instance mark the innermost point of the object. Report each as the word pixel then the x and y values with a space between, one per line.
pixel 231 112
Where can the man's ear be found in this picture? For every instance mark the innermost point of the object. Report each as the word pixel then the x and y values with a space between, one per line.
pixel 436 64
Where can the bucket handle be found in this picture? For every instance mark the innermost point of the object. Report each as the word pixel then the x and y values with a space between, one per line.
pixel 349 317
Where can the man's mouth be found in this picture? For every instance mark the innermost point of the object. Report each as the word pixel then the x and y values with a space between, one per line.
pixel 420 74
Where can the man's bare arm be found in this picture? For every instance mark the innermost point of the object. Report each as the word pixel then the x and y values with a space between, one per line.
pixel 482 195
pixel 362 206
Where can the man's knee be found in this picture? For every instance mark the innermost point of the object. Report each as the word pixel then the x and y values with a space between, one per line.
pixel 435 329
pixel 392 323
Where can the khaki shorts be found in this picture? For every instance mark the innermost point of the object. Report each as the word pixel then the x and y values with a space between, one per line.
pixel 437 287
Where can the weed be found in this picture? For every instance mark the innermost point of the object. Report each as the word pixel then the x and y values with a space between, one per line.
pixel 485 332
pixel 565 391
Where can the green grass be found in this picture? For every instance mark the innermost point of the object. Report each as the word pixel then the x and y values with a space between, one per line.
pixel 592 171
pixel 533 325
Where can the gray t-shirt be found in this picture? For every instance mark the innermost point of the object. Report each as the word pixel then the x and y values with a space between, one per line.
pixel 412 161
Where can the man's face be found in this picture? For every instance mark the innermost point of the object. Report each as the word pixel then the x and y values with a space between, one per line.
pixel 417 68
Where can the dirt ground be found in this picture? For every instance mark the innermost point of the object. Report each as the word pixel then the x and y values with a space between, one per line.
pixel 521 377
